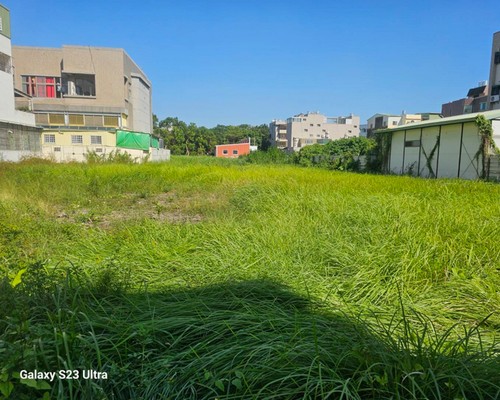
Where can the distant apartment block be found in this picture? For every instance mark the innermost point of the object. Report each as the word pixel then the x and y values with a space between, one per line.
pixel 494 91
pixel 277 132
pixel 476 101
pixel 381 121
pixel 311 128
pixel 388 121
pixel 18 135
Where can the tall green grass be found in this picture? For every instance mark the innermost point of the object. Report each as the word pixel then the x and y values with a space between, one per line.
pixel 203 278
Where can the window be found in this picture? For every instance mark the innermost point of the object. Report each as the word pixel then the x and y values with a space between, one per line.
pixel 56 119
pixel 1 24
pixel 57 149
pixel 42 119
pixel 110 121
pixel 98 150
pixel 224 151
pixel 482 106
pixel 318 124
pixel 235 152
pixel 497 57
pixel 76 139
pixel 78 85
pixel 95 139
pixel 412 143
pixel 41 86
pixel 311 124
pixel 5 64
pixel 76 119
pixel 49 138
pixel 495 90
pixel 393 123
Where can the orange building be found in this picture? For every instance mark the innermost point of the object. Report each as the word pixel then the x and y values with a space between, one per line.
pixel 232 150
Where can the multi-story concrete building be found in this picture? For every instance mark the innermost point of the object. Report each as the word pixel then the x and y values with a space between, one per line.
pixel 476 101
pixel 18 135
pixel 494 92
pixel 82 96
pixel 311 128
pixel 277 132
pixel 82 86
pixel 381 121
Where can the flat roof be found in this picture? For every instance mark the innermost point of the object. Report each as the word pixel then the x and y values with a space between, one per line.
pixel 494 114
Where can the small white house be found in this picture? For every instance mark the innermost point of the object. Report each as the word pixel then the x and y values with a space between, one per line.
pixel 443 148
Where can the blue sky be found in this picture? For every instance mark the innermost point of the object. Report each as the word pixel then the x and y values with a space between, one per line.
pixel 231 61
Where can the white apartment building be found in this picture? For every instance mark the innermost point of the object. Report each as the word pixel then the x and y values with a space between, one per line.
pixel 311 128
pixel 277 132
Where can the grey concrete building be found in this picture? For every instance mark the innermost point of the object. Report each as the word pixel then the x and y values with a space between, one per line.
pixel 82 87
pixel 476 101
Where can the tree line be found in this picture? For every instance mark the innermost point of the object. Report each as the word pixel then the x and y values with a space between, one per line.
pixel 189 139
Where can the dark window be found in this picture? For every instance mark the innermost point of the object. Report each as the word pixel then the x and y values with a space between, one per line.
pixel 412 143
pixel 497 57
pixel 224 151
pixel 78 85
pixel 495 90
pixel 235 152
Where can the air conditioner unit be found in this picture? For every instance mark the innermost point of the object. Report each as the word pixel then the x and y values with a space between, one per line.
pixel 494 98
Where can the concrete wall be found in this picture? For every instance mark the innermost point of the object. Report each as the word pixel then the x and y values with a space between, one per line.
pixel 77 153
pixel 16 137
pixel 141 105
pixel 17 155
pixel 158 155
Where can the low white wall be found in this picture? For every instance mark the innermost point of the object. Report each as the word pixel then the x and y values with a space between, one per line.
pixel 17 155
pixel 160 155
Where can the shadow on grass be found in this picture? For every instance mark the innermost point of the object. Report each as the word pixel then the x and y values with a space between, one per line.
pixel 237 340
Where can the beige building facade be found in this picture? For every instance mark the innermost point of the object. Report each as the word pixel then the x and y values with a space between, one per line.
pixel 494 82
pixel 311 128
pixel 277 133
pixel 82 97
pixel 82 86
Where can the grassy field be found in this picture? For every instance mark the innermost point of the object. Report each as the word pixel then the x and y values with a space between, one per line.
pixel 211 279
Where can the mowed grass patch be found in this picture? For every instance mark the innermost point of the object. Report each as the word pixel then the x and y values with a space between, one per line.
pixel 412 263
